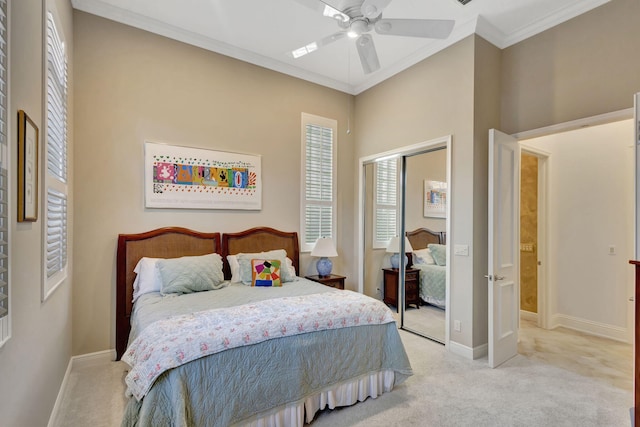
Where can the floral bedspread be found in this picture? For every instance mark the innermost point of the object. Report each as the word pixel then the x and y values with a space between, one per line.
pixel 169 343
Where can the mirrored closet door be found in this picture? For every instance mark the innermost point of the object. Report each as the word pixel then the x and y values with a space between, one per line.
pixel 425 225
pixel 406 194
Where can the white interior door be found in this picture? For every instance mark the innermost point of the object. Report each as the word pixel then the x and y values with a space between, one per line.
pixel 504 248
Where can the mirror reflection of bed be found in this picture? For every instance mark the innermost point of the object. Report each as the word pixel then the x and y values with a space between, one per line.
pixel 424 227
pixel 429 257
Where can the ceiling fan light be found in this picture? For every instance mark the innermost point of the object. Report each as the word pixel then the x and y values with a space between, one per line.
pixel 352 34
pixel 358 27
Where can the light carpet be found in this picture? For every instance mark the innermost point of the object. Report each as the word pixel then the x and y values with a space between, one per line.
pixel 445 390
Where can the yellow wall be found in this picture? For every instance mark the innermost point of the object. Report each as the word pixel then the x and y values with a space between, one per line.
pixel 529 233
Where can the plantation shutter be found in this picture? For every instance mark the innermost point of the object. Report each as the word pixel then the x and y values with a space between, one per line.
pixel 56 232
pixel 319 183
pixel 386 199
pixel 55 224
pixel 5 328
pixel 56 103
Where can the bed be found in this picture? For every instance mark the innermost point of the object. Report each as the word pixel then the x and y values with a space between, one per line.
pixel 247 366
pixel 429 256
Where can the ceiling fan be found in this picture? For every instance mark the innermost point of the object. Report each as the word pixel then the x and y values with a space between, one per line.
pixel 356 18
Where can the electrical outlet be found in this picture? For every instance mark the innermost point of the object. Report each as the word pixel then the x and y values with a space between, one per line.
pixel 457 325
pixel 612 250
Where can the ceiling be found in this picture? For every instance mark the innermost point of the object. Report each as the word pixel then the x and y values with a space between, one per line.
pixel 265 32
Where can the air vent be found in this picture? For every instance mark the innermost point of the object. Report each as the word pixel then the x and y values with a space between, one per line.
pixel 463 2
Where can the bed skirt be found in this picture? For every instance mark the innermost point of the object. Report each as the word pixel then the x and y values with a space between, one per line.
pixel 344 394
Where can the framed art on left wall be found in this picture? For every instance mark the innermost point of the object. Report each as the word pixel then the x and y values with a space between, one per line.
pixel 27 168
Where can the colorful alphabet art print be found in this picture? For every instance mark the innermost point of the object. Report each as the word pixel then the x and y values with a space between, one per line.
pixel 195 178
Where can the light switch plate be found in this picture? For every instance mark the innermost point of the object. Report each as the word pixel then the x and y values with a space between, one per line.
pixel 461 250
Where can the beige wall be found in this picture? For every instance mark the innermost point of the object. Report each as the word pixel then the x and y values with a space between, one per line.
pixel 427 166
pixel 34 360
pixel 429 100
pixel 134 86
pixel 584 67
pixel 131 86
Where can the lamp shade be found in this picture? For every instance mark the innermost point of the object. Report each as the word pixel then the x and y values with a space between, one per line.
pixel 394 245
pixel 324 248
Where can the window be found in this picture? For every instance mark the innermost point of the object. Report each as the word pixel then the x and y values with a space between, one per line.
pixel 5 314
pixel 55 196
pixel 385 221
pixel 319 179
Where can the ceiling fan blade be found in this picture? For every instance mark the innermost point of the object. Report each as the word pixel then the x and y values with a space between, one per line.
pixel 313 46
pixel 429 28
pixel 367 53
pixel 373 8
pixel 325 9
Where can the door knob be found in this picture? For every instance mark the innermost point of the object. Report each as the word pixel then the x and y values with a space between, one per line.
pixel 496 277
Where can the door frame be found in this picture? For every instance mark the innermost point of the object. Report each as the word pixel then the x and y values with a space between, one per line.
pixel 614 116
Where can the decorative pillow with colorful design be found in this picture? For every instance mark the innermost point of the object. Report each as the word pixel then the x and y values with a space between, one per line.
pixel 265 272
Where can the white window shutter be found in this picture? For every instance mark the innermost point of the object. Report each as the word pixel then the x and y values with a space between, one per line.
pixel 319 170
pixel 385 220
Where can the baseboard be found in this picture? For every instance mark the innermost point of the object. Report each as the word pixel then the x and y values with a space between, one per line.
pixel 77 361
pixel 56 407
pixel 616 333
pixel 529 315
pixel 468 352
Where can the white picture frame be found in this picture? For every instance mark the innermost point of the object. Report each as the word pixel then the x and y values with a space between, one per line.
pixel 435 199
pixel 195 178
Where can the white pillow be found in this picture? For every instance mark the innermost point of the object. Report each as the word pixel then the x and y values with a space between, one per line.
pixel 148 277
pixel 234 266
pixel 292 269
pixel 423 256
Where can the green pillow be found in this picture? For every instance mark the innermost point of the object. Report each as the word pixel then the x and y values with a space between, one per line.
pixel 190 274
pixel 439 253
pixel 245 269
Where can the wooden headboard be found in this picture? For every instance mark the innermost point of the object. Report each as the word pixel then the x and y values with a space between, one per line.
pixel 168 242
pixel 261 239
pixel 421 237
pixel 175 242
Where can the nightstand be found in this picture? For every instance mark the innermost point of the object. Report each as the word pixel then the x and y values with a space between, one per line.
pixel 333 280
pixel 411 280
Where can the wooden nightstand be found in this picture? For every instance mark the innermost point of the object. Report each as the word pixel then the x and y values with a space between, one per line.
pixel 411 282
pixel 333 280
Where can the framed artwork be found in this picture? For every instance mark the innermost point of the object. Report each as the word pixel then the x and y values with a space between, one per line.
pixel 27 168
pixel 195 178
pixel 435 199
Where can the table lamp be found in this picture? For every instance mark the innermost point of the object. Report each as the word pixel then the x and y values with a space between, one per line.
pixel 324 249
pixel 394 248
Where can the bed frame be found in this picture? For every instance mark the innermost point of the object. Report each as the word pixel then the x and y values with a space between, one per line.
pixel 168 242
pixel 420 238
pixel 174 242
pixel 260 239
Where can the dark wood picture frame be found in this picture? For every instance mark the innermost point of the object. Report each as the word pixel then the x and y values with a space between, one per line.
pixel 27 168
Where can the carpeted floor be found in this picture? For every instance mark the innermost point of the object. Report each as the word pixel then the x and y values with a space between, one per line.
pixel 536 388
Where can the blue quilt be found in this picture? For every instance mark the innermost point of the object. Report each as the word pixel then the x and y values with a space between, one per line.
pixel 243 383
